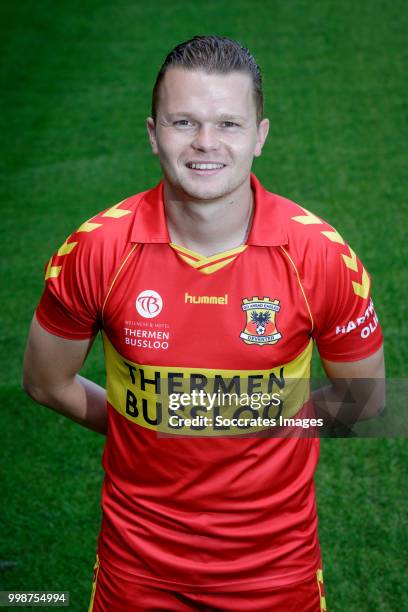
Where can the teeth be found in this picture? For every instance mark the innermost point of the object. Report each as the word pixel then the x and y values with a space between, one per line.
pixel 205 166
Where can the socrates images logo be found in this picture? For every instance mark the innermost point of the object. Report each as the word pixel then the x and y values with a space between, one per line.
pixel 260 326
pixel 149 304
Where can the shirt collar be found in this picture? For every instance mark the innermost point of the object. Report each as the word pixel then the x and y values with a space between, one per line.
pixel 269 225
pixel 149 224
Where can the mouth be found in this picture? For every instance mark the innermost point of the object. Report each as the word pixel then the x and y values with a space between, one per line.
pixel 205 168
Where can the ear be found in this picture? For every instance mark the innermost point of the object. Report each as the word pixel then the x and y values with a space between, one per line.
pixel 151 131
pixel 263 129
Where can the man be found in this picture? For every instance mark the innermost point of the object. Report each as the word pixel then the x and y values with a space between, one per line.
pixel 206 283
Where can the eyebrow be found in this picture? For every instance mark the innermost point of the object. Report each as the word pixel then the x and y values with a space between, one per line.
pixel 223 117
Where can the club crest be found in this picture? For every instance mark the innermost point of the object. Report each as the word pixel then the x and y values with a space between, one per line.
pixel 260 326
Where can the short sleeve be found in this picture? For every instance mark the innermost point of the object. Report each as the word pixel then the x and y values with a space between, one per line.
pixel 70 304
pixel 346 324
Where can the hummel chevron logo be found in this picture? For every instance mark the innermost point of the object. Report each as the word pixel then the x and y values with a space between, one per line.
pixel 362 288
pixel 307 219
pixel 350 260
pixel 52 271
pixel 65 249
pixel 88 227
pixel 334 236
pixel 116 212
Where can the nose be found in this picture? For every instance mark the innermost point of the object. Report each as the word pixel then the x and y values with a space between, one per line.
pixel 206 138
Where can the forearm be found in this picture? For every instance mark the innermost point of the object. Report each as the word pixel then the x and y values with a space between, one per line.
pixel 81 400
pixel 349 401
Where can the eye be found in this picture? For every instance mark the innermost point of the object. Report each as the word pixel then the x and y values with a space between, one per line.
pixel 228 124
pixel 182 123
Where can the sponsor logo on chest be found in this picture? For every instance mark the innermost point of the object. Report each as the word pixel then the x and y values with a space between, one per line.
pixel 260 319
pixel 205 299
pixel 149 304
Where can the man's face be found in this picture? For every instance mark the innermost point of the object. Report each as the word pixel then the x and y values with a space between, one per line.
pixel 206 134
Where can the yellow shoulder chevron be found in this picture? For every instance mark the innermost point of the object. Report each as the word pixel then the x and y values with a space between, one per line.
pixel 333 236
pixel 350 261
pixel 116 212
pixel 65 249
pixel 362 288
pixel 88 227
pixel 308 218
pixel 52 271
pixel 319 576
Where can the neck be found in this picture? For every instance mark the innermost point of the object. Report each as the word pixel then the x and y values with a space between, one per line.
pixel 209 226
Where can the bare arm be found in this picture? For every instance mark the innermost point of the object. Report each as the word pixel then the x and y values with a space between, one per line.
pixel 357 390
pixel 50 377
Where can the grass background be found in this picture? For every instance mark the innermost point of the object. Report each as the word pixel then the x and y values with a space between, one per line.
pixel 76 79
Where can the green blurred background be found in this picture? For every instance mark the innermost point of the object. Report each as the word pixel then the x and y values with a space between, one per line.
pixel 76 80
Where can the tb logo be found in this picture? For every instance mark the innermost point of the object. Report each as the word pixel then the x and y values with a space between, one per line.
pixel 149 304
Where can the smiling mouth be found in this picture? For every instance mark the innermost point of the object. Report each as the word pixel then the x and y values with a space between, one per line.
pixel 205 167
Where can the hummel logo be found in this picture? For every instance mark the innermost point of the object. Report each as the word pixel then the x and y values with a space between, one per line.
pixel 206 299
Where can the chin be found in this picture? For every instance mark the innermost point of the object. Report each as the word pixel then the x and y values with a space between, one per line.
pixel 205 192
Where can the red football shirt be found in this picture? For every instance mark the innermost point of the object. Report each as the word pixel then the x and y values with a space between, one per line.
pixel 209 509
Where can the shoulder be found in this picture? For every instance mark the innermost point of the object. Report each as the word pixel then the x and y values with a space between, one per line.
pixel 314 247
pixel 299 231
pixel 280 221
pixel 101 239
pixel 307 232
pixel 330 271
pixel 78 274
pixel 111 224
